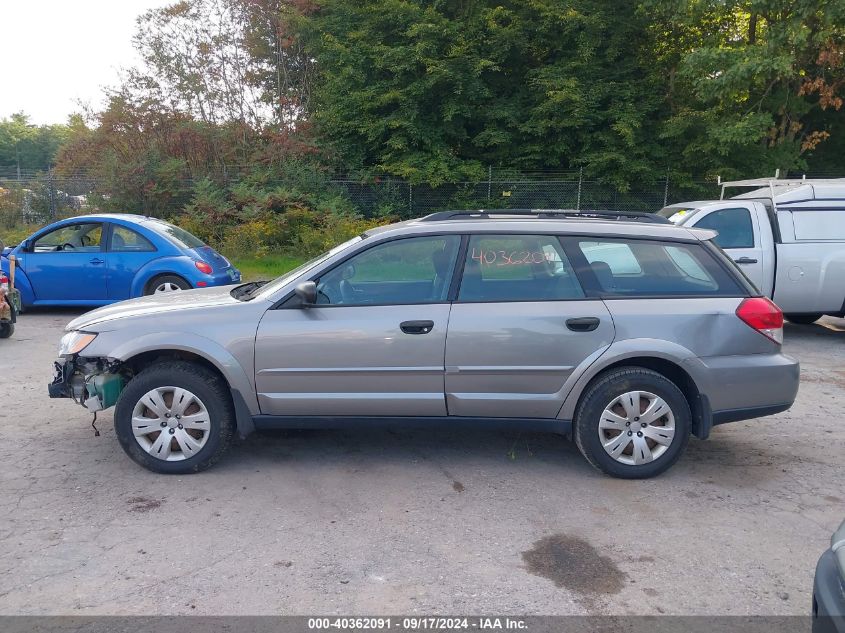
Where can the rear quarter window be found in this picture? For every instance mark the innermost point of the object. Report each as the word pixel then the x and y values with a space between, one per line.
pixel 819 225
pixel 650 268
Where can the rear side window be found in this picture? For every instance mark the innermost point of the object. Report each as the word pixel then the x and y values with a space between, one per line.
pixel 180 236
pixel 517 268
pixel 617 255
pixel 662 269
pixel 126 240
pixel 828 224
pixel 734 227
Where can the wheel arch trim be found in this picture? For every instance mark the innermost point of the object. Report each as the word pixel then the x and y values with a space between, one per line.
pixel 210 351
pixel 640 350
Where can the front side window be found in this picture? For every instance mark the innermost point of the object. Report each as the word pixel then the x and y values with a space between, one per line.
pixel 517 268
pixel 665 269
pixel 126 240
pixel 406 271
pixel 73 238
pixel 733 225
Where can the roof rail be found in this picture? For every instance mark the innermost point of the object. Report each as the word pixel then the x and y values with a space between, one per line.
pixel 545 214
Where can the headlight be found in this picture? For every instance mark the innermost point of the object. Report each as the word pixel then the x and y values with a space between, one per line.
pixel 75 342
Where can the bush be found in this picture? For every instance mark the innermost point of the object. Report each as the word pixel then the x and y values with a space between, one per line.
pixel 266 213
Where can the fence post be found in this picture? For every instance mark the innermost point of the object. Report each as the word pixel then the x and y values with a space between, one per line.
pixel 410 200
pixel 489 181
pixel 52 194
pixel 580 179
pixel 666 190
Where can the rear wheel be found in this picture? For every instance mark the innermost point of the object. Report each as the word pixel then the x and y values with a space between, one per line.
pixel 166 283
pixel 7 329
pixel 803 319
pixel 175 418
pixel 632 423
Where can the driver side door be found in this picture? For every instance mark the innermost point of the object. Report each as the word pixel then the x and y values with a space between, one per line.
pixel 374 343
pixel 68 264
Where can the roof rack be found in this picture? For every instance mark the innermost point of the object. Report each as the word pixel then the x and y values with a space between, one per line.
pixel 546 214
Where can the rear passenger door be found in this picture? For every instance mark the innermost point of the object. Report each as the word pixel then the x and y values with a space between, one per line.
pixel 520 325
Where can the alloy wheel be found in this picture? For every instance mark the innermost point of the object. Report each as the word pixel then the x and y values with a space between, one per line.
pixel 167 286
pixel 171 423
pixel 636 427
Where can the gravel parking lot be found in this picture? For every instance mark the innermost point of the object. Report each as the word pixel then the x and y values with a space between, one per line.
pixel 412 522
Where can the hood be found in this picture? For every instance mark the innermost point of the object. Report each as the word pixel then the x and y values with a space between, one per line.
pixel 155 305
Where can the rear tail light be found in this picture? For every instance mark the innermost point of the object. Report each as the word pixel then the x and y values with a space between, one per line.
pixel 203 267
pixel 764 316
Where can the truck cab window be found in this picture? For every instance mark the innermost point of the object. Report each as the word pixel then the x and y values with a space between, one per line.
pixel 733 225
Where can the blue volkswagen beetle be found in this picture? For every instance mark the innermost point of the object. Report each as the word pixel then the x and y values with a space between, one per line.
pixel 95 260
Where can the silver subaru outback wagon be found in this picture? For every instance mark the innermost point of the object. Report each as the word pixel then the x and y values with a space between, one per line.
pixel 626 334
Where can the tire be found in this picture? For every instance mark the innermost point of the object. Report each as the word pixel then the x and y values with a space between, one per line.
pixel 593 410
pixel 173 282
pixel 6 330
pixel 803 319
pixel 208 405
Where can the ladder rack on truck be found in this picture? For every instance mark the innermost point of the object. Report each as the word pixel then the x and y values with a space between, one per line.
pixel 776 183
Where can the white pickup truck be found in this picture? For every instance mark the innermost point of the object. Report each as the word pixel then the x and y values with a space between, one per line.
pixel 788 237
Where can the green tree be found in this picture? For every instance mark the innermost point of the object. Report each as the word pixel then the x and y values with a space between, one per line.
pixel 436 92
pixel 30 147
pixel 754 84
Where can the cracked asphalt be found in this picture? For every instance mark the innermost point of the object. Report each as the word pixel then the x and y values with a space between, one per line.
pixel 408 522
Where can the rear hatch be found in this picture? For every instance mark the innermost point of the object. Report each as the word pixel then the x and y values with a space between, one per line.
pixel 217 262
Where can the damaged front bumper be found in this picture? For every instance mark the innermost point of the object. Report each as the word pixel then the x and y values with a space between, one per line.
pixel 94 383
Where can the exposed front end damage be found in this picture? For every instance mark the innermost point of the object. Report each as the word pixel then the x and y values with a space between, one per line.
pixel 94 383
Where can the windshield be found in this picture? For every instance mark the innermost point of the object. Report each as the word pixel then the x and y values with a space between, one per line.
pixel 181 236
pixel 675 214
pixel 277 283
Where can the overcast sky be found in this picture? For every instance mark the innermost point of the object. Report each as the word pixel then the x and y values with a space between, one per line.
pixel 55 52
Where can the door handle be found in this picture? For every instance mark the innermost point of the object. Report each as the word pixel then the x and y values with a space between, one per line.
pixel 583 324
pixel 97 260
pixel 416 327
pixel 746 260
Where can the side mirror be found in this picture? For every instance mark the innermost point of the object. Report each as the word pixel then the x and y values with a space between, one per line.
pixel 26 246
pixel 307 293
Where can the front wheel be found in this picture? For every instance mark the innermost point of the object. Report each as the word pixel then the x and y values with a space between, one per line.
pixel 175 418
pixel 7 329
pixel 632 423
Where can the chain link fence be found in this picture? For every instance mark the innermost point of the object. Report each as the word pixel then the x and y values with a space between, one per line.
pixel 402 199
pixel 30 199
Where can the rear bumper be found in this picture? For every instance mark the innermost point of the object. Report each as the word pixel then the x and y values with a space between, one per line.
pixel 747 413
pixel 828 596
pixel 748 386
pixel 224 278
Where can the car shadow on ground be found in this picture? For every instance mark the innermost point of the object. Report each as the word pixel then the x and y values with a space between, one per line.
pixel 727 459
pixel 831 328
